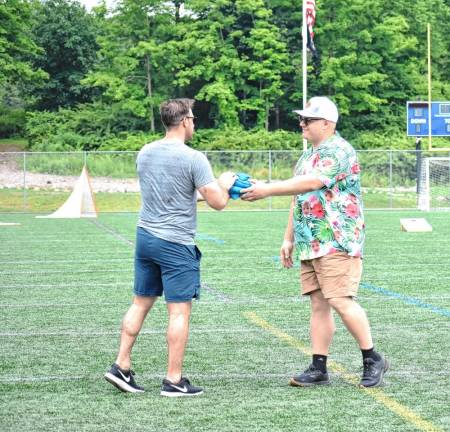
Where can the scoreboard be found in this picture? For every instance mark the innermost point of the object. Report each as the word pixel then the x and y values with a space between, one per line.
pixel 417 118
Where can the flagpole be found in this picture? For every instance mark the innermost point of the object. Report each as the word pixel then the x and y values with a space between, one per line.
pixel 304 62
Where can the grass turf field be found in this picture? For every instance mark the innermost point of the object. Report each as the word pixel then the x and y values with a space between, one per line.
pixel 65 285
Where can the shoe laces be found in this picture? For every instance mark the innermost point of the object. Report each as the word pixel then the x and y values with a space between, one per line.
pixel 368 365
pixel 311 368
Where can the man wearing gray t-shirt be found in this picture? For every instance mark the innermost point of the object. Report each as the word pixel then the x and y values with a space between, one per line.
pixel 171 176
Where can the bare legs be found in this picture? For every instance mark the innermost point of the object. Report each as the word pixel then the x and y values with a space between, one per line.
pixel 177 336
pixel 355 319
pixel 177 333
pixel 322 322
pixel 131 326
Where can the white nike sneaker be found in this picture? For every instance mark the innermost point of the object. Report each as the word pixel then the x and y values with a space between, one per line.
pixel 123 379
pixel 182 388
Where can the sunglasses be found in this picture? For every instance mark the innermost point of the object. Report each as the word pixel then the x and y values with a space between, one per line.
pixel 307 120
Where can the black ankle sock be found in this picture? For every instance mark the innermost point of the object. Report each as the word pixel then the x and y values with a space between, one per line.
pixel 370 353
pixel 320 362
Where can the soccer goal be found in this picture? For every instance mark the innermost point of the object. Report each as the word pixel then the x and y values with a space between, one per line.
pixel 434 184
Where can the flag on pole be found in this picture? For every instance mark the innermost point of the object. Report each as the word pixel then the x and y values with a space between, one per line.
pixel 310 21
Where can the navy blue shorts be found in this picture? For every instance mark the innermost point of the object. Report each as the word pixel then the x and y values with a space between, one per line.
pixel 163 266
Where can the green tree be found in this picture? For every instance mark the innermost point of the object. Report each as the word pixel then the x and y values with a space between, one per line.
pixel 437 13
pixel 366 60
pixel 237 58
pixel 136 57
pixel 16 44
pixel 208 61
pixel 268 59
pixel 67 34
pixel 17 51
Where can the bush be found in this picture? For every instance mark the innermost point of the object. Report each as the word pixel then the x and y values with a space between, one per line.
pixel 89 127
pixel 12 122
pixel 239 139
pixel 128 142
pixel 97 127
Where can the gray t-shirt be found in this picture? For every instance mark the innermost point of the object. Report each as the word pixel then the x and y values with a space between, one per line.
pixel 169 173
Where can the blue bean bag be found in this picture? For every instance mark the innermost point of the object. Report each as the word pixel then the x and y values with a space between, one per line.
pixel 242 182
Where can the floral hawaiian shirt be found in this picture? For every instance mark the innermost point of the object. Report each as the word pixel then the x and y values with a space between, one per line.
pixel 330 219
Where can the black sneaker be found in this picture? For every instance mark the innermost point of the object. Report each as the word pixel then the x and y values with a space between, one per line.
pixel 310 377
pixel 373 372
pixel 123 379
pixel 182 388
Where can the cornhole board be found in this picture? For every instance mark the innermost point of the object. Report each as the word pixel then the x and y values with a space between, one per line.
pixel 415 225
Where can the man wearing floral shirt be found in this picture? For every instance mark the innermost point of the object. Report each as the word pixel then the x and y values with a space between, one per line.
pixel 326 223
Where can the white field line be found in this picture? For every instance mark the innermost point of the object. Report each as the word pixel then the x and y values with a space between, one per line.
pixel 251 278
pixel 60 234
pixel 204 244
pixel 263 288
pixel 126 285
pixel 77 284
pixel 259 255
pixel 93 334
pixel 79 244
pixel 261 263
pixel 65 240
pixel 365 295
pixel 264 237
pixel 248 270
pixel 244 274
pixel 85 254
pixel 71 271
pixel 407 279
pixel 268 252
pixel 246 301
pixel 44 261
pixel 249 301
pixel 14 379
pixel 209 266
pixel 213 330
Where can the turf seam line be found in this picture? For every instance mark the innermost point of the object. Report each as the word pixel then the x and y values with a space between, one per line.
pixel 214 292
pixel 112 231
pixel 393 405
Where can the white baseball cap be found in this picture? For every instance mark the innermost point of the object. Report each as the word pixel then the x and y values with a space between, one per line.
pixel 320 107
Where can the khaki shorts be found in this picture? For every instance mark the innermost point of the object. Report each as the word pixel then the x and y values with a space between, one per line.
pixel 336 275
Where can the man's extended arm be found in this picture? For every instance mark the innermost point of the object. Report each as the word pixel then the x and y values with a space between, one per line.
pixel 216 192
pixel 294 186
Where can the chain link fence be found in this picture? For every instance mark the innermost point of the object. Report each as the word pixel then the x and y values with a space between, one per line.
pixel 40 182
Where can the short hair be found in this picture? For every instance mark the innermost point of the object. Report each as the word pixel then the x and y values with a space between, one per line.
pixel 173 111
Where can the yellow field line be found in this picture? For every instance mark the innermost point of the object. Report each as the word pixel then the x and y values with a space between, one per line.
pixel 376 393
